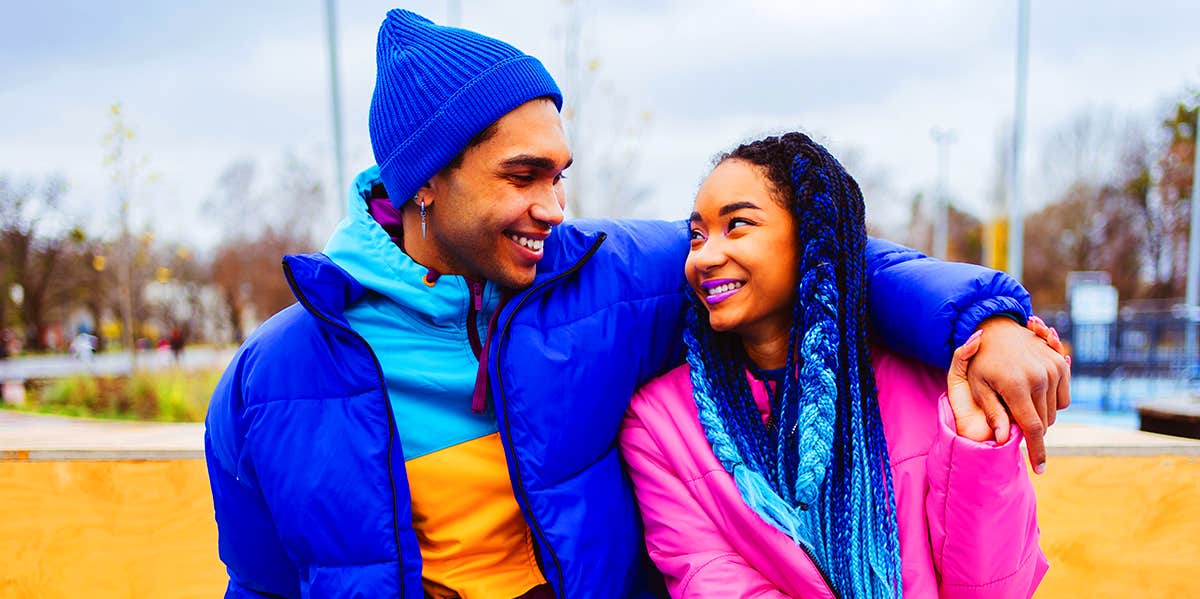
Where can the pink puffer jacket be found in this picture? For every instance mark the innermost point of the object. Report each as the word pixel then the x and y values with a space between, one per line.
pixel 966 510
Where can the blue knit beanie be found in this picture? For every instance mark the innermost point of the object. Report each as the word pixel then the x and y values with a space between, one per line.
pixel 436 88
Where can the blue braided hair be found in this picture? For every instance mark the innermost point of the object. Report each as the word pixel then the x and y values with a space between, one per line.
pixel 821 474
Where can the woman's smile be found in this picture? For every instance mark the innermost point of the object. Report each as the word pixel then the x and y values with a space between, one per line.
pixel 718 290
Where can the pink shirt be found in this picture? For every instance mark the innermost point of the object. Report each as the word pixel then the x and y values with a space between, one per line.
pixel 966 510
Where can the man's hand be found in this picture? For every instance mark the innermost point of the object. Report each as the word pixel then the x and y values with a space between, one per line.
pixel 1018 368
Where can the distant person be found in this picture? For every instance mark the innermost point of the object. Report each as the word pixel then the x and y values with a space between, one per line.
pixel 163 350
pixel 438 414
pixel 176 341
pixel 788 457
pixel 83 346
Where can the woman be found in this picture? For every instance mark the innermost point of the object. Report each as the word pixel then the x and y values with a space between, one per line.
pixel 786 458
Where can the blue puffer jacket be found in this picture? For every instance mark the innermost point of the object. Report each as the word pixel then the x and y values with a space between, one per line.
pixel 308 476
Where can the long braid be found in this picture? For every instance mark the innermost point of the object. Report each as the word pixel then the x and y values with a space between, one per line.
pixel 824 476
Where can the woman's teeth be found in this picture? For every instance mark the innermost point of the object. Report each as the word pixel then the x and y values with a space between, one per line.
pixel 533 244
pixel 719 289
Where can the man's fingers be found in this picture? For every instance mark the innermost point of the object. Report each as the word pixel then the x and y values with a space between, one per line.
pixel 1036 386
pixel 1036 445
pixel 993 409
pixel 1053 377
pixel 1034 428
pixel 1064 384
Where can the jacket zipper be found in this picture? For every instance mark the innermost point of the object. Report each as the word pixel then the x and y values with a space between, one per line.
pixel 473 316
pixel 520 484
pixel 287 270
pixel 812 558
pixel 772 423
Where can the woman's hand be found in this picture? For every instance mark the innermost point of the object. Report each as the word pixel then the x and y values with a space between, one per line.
pixel 969 418
pixel 1021 375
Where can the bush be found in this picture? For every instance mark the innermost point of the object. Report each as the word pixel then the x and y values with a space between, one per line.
pixel 75 392
pixel 173 396
pixel 143 397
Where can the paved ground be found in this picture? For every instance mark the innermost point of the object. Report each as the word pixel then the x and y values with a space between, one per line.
pixel 58 365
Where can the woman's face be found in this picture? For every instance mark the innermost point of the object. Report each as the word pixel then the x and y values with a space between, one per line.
pixel 743 258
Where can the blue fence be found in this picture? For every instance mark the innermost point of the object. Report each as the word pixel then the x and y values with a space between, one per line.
pixel 1143 354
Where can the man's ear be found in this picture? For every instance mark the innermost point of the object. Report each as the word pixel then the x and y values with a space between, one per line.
pixel 431 190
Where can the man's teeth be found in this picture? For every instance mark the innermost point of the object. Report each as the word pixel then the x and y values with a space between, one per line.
pixel 533 244
pixel 723 288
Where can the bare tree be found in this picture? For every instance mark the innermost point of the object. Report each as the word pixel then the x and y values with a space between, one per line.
pixel 246 264
pixel 31 255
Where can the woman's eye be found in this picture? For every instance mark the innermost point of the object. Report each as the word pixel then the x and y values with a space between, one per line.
pixel 738 222
pixel 696 235
pixel 558 178
pixel 523 179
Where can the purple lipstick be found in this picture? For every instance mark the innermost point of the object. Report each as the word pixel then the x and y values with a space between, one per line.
pixel 718 290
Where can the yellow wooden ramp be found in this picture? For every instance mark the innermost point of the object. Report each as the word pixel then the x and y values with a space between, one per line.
pixel 111 509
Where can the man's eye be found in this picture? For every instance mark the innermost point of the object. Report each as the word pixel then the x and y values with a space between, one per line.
pixel 696 235
pixel 559 177
pixel 524 179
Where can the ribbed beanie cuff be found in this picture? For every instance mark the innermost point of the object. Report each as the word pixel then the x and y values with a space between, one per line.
pixel 436 88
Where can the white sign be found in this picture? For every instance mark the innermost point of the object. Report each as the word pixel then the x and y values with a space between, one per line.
pixel 1093 304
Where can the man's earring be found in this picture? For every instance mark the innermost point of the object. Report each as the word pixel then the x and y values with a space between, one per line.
pixel 421 201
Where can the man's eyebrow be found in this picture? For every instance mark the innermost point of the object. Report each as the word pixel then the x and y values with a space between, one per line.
pixel 531 161
pixel 694 218
pixel 734 207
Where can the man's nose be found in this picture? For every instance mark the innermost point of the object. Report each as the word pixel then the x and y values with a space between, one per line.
pixel 548 208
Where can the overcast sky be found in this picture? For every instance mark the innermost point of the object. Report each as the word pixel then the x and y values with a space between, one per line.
pixel 207 83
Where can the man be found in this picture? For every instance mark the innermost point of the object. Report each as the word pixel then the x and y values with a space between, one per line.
pixel 437 416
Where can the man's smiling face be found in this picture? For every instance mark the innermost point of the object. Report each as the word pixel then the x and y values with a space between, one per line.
pixel 489 216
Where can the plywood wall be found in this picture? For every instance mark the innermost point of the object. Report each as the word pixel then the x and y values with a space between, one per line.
pixel 107 529
pixel 1111 526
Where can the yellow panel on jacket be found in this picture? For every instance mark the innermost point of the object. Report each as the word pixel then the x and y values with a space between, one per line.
pixel 474 541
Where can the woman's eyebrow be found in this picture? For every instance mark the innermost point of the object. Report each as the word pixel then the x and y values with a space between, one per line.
pixel 734 207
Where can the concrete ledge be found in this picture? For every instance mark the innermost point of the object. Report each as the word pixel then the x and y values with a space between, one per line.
pixel 1072 439
pixel 39 437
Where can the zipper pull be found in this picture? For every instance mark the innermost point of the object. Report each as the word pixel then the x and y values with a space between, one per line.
pixel 476 293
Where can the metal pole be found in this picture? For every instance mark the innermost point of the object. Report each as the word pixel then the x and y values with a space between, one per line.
pixel 1016 224
pixel 1192 292
pixel 574 107
pixel 941 221
pixel 335 96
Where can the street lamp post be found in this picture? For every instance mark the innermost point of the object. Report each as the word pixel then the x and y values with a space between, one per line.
pixel 1016 224
pixel 1192 292
pixel 941 221
pixel 335 99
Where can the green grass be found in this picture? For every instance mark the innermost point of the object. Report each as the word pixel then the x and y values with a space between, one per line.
pixel 165 396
